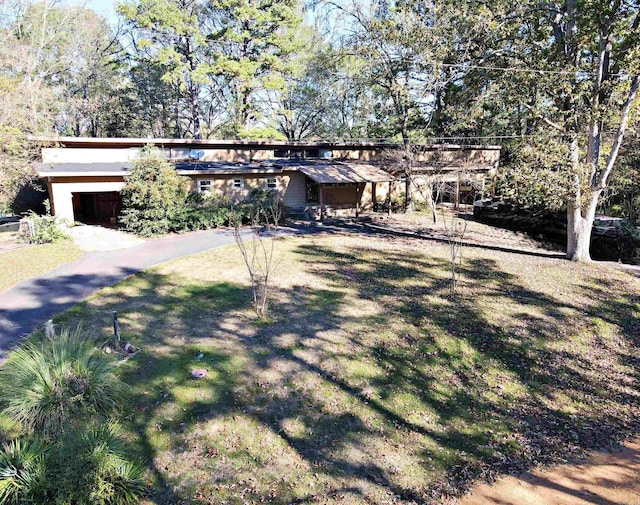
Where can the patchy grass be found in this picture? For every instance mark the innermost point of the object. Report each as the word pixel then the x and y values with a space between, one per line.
pixel 368 384
pixel 21 264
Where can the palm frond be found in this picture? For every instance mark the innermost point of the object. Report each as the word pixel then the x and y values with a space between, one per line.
pixel 22 471
pixel 50 385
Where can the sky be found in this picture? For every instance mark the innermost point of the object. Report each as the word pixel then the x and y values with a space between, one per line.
pixel 107 8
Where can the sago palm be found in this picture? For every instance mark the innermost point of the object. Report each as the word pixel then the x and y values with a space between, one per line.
pixel 117 480
pixel 50 385
pixel 92 467
pixel 22 472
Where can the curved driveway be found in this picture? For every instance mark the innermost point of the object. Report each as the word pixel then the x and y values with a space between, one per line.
pixel 32 302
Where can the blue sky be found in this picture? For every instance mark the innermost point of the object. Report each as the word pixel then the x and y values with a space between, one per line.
pixel 105 7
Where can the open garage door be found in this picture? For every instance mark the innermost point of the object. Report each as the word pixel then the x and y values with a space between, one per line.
pixel 97 208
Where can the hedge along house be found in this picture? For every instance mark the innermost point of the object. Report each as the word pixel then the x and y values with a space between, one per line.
pixel 85 175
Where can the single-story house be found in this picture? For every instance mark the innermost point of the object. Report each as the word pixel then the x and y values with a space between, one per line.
pixel 85 175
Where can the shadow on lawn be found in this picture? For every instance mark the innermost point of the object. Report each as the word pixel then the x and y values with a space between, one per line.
pixel 341 380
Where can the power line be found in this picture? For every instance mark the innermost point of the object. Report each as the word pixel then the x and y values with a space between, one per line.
pixel 392 141
pixel 529 70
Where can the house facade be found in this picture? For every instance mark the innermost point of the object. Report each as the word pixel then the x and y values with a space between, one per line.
pixel 85 175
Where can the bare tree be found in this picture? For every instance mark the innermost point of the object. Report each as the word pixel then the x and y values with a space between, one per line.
pixel 454 229
pixel 258 255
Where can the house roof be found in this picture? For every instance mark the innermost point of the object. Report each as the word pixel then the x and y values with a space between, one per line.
pixel 321 171
pixel 82 169
pixel 122 169
pixel 331 172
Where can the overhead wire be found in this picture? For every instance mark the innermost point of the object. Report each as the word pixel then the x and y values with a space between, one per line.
pixel 462 138
pixel 468 66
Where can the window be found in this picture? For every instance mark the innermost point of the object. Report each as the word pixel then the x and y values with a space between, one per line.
pixel 237 183
pixel 205 185
pixel 271 183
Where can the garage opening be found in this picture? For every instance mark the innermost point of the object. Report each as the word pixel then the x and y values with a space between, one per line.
pixel 97 208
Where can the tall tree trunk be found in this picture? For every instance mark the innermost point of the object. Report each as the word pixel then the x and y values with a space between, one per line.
pixel 176 111
pixel 579 224
pixel 245 88
pixel 244 114
pixel 195 110
pixel 578 233
pixel 431 201
pixel 193 90
pixel 581 209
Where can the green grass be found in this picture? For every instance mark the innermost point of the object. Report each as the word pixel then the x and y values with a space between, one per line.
pixel 27 262
pixel 368 384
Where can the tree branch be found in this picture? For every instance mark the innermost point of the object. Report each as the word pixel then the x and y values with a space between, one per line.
pixel 545 120
pixel 622 129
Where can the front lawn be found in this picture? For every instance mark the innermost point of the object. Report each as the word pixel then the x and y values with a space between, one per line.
pixel 32 260
pixel 368 384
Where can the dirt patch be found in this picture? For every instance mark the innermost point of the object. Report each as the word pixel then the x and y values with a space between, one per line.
pixel 604 478
pixel 9 241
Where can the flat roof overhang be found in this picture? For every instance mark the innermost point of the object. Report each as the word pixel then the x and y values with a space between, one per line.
pixel 107 142
pixel 221 168
pixel 82 169
pixel 321 171
pixel 124 169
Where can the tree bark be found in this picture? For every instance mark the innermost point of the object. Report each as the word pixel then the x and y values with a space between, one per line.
pixel 431 201
pixel 195 108
pixel 581 209
pixel 578 233
pixel 193 90
pixel 407 160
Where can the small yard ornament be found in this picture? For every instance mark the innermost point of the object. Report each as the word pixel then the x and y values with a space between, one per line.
pixel 50 329
pixel 117 345
pixel 200 373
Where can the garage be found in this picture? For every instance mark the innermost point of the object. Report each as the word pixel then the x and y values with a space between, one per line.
pixel 97 208
pixel 85 192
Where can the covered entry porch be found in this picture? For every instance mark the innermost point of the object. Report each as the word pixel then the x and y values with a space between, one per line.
pixel 337 187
